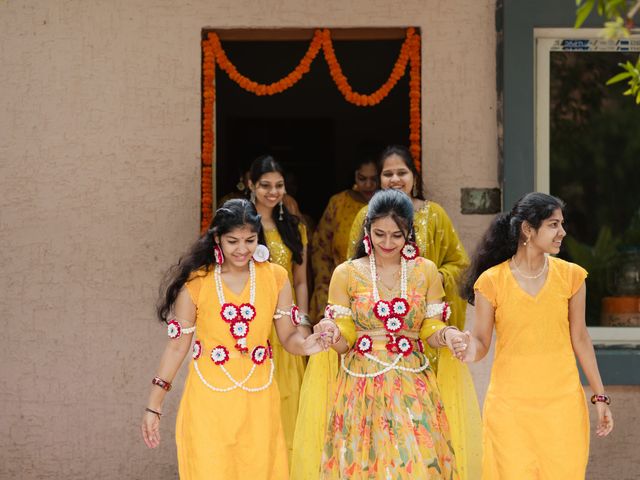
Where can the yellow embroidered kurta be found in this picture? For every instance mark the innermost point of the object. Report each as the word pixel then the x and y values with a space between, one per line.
pixel 235 435
pixel 289 368
pixel 536 422
pixel 391 425
pixel 330 244
pixel 438 242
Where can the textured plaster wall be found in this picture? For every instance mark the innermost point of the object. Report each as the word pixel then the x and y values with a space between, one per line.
pixel 99 174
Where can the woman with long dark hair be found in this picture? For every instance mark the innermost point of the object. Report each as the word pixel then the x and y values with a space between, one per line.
pixel 536 423
pixel 438 241
pixel 228 424
pixel 387 419
pixel 286 238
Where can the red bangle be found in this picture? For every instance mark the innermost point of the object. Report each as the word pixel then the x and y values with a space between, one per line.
pixel 604 398
pixel 163 384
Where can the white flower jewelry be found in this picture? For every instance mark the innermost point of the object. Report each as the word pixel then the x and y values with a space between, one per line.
pixel 220 355
pixel 247 312
pixel 391 314
pixel 238 317
pixel 259 355
pixel 410 251
pixel 405 347
pixel 443 310
pixel 261 253
pixel 334 311
pixel 197 349
pixel 364 344
pixel 293 313
pixel 174 330
pixel 393 324
pixel 229 312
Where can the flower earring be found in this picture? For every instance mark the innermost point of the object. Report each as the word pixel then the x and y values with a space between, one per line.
pixel 410 251
pixel 261 253
pixel 281 215
pixel 217 253
pixel 366 241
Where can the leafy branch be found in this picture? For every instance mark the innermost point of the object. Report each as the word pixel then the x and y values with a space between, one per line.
pixel 620 20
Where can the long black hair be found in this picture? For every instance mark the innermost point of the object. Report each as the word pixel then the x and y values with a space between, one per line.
pixel 500 241
pixel 404 153
pixel 288 226
pixel 387 203
pixel 233 214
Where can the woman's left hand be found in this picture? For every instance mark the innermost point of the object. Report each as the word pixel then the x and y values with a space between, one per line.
pixel 605 419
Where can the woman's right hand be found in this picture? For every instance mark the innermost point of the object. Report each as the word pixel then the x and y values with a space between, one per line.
pixel 151 429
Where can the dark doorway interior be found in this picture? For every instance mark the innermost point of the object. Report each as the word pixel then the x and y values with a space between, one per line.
pixel 311 129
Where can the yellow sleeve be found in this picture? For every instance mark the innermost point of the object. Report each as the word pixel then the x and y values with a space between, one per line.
pixel 280 274
pixel 435 290
pixel 322 259
pixel 453 258
pixel 485 286
pixel 578 275
pixel 435 294
pixel 356 231
pixel 194 284
pixel 302 228
pixel 339 295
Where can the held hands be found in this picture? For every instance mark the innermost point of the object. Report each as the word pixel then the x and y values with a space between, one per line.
pixel 461 344
pixel 151 429
pixel 605 419
pixel 329 331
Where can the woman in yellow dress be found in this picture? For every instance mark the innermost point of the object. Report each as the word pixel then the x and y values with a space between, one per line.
pixel 331 238
pixel 286 238
pixel 387 419
pixel 438 241
pixel 330 244
pixel 228 424
pixel 536 423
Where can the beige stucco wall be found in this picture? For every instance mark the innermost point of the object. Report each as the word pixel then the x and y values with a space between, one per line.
pixel 99 182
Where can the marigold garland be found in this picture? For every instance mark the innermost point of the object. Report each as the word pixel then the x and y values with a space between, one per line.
pixel 212 53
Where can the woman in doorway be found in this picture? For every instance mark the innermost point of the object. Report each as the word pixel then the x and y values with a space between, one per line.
pixel 330 244
pixel 387 420
pixel 286 238
pixel 230 409
pixel 536 423
pixel 331 238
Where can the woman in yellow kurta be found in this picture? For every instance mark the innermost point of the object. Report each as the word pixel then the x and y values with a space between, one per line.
pixel 228 425
pixel 286 238
pixel 536 424
pixel 387 420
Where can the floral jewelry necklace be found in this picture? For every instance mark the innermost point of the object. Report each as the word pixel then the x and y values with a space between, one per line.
pixel 391 314
pixel 238 318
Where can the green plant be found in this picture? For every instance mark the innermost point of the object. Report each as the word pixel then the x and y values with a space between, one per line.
pixel 620 16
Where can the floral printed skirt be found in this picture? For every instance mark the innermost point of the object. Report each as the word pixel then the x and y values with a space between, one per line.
pixel 391 426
